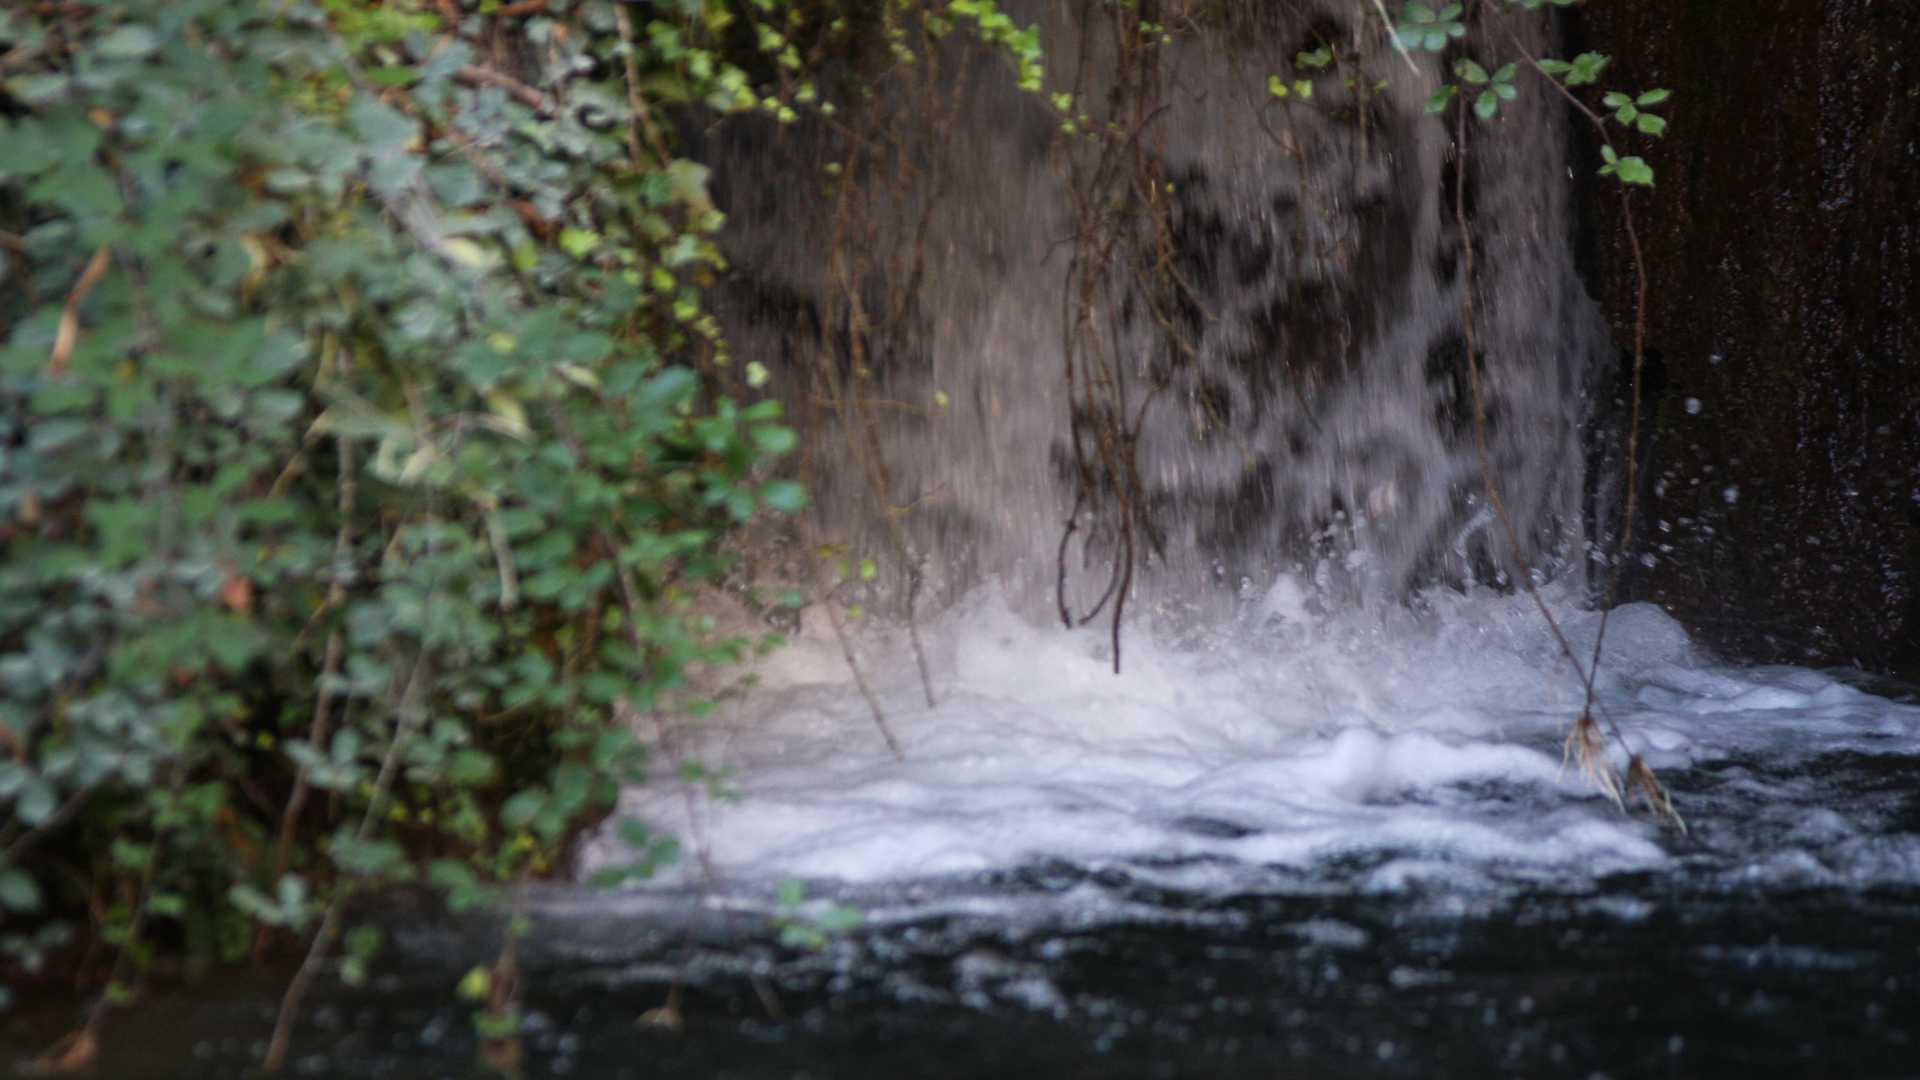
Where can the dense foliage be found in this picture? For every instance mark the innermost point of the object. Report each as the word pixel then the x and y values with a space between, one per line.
pixel 362 440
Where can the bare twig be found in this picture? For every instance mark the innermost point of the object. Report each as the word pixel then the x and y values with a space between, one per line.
pixel 82 1043
pixel 1583 742
pixel 410 714
pixel 860 678
pixel 1639 364
pixel 642 120
pixel 68 334
pixel 1122 185
pixel 320 731
pixel 18 847
pixel 475 75
pixel 1393 36
pixel 1521 570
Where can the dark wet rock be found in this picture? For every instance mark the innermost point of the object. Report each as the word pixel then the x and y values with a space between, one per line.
pixel 1783 244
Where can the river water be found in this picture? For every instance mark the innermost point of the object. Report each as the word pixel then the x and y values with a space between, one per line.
pixel 1323 844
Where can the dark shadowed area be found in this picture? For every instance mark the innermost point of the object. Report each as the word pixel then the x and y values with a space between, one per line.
pixel 1783 247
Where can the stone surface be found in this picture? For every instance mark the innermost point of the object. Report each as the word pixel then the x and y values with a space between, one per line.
pixel 1783 247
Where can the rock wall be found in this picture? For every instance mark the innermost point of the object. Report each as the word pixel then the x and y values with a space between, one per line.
pixel 1783 244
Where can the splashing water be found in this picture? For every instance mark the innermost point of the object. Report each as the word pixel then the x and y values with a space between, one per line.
pixel 1380 751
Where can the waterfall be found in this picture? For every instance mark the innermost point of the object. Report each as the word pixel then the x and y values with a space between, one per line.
pixel 1298 396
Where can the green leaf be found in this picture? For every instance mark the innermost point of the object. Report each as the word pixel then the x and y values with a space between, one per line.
pixel 1633 170
pixel 364 941
pixel 451 874
pixel 34 805
pixel 840 919
pixel 18 892
pixel 801 936
pixel 1586 68
pixel 475 984
pixel 635 834
pixel 367 858
pixel 688 181
pixel 1486 105
pixel 670 388
pixel 784 496
pixel 393 76
pixel 522 808
pixel 774 440
pixel 1441 98
pixel 471 768
pixel 1470 71
pixel 384 129
pixel 579 243
pixel 1652 98
pixel 1650 124
pixel 1630 170
pixel 127 42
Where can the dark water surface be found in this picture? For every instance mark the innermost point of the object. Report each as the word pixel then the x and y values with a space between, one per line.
pixel 1764 946
pixel 1643 977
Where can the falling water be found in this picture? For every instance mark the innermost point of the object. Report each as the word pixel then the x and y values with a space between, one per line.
pixel 1306 409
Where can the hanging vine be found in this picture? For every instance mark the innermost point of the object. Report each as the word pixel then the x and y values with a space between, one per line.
pixel 1122 254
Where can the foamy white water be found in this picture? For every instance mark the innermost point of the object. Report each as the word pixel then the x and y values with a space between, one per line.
pixel 1374 750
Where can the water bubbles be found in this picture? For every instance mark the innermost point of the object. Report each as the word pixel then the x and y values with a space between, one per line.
pixel 1731 493
pixel 1693 406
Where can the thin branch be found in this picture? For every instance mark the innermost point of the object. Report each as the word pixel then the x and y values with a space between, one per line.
pixel 1583 739
pixel 17 849
pixel 68 334
pixel 859 677
pixel 1399 46
pixel 320 731
pixel 475 75
pixel 642 119
pixel 411 714
pixel 1521 569
pixel 1639 363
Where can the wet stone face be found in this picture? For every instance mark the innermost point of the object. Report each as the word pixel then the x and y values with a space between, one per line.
pixel 1783 248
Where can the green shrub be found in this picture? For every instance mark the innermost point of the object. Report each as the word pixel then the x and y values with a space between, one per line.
pixel 362 439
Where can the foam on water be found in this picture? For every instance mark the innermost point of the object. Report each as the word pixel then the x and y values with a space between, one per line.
pixel 1373 750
